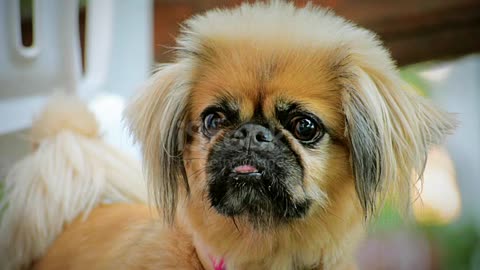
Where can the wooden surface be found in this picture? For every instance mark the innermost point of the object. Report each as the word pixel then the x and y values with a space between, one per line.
pixel 414 31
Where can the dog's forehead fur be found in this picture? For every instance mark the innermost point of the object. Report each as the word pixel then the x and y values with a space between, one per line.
pixel 260 78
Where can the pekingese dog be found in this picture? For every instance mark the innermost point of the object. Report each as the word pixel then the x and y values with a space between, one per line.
pixel 268 144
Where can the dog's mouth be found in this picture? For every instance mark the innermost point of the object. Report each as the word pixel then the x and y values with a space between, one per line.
pixel 248 170
pixel 255 186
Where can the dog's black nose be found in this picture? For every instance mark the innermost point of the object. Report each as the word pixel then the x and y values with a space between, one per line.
pixel 253 133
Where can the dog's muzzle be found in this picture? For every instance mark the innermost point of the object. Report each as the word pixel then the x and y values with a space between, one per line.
pixel 253 172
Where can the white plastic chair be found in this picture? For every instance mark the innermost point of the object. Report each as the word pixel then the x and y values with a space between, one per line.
pixel 118 57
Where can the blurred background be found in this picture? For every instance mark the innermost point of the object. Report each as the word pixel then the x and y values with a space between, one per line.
pixel 104 50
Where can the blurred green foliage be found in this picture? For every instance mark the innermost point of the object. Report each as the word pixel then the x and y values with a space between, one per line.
pixel 457 244
pixel 2 193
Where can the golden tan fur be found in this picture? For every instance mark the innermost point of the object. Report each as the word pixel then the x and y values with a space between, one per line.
pixel 120 236
pixel 259 55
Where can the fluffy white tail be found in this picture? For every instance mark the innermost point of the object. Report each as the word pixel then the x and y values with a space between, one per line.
pixel 70 171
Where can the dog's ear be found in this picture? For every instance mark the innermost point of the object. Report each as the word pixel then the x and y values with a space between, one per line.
pixel 389 129
pixel 156 119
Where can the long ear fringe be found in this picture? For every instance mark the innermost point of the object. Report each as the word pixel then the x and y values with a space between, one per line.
pixel 156 119
pixel 68 174
pixel 390 131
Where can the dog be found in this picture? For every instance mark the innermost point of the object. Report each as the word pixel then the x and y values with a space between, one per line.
pixel 269 143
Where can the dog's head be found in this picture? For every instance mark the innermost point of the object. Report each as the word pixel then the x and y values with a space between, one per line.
pixel 273 114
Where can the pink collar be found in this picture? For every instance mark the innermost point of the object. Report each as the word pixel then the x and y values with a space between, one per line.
pixel 218 264
pixel 209 261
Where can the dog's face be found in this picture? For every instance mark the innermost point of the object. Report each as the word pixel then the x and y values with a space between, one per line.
pixel 271 123
pixel 267 137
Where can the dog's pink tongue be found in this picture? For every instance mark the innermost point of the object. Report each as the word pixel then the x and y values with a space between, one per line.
pixel 245 169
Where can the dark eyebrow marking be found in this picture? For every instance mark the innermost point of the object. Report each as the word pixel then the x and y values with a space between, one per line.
pixel 227 106
pixel 284 108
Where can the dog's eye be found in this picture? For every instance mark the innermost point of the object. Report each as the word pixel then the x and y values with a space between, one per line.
pixel 306 129
pixel 213 122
